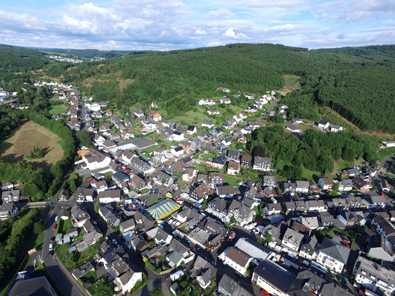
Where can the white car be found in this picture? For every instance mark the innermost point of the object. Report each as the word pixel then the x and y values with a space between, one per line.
pixel 50 247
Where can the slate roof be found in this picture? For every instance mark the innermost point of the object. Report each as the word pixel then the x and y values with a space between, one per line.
pixel 334 250
pixel 276 275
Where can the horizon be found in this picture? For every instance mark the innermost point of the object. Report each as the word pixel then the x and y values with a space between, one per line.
pixel 146 25
pixel 42 49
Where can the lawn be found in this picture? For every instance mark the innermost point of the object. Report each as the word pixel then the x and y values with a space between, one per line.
pixel 64 226
pixel 31 135
pixel 58 109
pixel 75 259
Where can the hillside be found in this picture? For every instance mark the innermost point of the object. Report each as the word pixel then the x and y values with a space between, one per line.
pixel 176 79
pixel 356 82
pixel 16 62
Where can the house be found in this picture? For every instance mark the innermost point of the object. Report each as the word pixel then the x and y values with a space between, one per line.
pixel 263 164
pixel 142 166
pixel 107 214
pixel 127 281
pixel 273 209
pixel 307 250
pixel 155 116
pixel 203 271
pixel 251 249
pixel 217 162
pixel 373 276
pixel 230 287
pixel 200 193
pixel 177 136
pixel 200 237
pixel 38 285
pixel 240 212
pixel 292 240
pixel 84 194
pixel 90 239
pixel 178 254
pixel 329 289
pixel 302 187
pixel 274 279
pixel 160 236
pixel 294 128
pixel 95 160
pixel 236 259
pixel 8 210
pixel 233 167
pixel 99 186
pixel 332 255
pixel 246 160
pixel 120 178
pixel 191 130
pixel 127 225
pixel 325 184
pixel 218 207
pixel 361 184
pixel 78 216
pixel 215 179
pixel 269 181
pixel 11 196
pixel 227 191
pixel 345 185
pixel 109 196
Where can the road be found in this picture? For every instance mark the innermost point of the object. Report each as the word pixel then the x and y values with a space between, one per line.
pixel 59 276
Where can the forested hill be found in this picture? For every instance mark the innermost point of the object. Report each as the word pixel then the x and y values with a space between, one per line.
pixel 356 82
pixel 17 62
pixel 176 79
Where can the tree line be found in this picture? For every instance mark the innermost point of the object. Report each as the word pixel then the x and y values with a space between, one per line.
pixel 313 150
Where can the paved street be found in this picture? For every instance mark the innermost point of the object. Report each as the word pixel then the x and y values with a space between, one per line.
pixel 62 280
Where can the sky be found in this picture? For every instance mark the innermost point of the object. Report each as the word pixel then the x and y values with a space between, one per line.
pixel 180 24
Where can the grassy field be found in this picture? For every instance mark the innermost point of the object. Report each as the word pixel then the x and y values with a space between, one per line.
pixel 31 135
pixel 58 109
pixel 291 83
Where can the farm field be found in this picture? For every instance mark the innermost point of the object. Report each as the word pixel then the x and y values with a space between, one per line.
pixel 31 135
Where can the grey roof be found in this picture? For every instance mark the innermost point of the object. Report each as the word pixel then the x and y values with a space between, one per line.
pixel 331 289
pixel 38 286
pixel 276 275
pixel 229 287
pixel 334 250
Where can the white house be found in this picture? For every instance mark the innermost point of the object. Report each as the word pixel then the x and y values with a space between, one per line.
pixel 127 281
pixel 373 276
pixel 273 278
pixel 96 160
pixel 332 256
pixel 236 259
pixel 109 196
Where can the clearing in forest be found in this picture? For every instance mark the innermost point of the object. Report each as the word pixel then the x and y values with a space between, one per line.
pixel 31 135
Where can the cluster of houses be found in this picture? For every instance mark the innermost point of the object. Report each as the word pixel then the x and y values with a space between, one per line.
pixel 149 188
pixel 10 197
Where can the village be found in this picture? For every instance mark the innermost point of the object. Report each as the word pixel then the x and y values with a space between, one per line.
pixel 177 207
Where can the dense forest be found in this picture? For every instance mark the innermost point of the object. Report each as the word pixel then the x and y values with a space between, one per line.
pixel 356 82
pixel 17 236
pixel 176 79
pixel 315 151
pixel 16 65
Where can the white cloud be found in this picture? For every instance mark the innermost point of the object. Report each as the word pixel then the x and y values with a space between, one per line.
pixel 232 33
pixel 171 24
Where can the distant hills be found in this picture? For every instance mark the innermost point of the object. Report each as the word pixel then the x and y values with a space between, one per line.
pixel 357 82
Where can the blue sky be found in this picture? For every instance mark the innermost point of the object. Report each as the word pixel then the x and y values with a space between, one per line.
pixel 174 24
